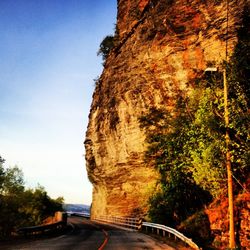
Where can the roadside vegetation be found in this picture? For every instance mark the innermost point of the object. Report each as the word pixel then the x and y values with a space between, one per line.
pixel 187 144
pixel 20 206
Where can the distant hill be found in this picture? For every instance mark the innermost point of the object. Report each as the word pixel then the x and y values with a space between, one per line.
pixel 80 208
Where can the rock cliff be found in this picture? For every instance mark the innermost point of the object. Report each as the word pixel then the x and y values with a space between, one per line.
pixel 163 45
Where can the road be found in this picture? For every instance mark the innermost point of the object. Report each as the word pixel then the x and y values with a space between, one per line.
pixel 85 234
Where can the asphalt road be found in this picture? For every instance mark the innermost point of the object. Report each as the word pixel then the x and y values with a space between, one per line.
pixel 85 234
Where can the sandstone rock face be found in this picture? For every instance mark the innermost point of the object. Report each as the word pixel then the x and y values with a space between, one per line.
pixel 163 46
pixel 219 223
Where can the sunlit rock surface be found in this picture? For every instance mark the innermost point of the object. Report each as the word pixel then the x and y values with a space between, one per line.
pixel 163 46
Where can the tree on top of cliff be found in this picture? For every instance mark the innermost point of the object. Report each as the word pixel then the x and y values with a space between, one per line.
pixel 106 46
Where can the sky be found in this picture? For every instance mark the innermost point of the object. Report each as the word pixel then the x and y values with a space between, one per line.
pixel 48 63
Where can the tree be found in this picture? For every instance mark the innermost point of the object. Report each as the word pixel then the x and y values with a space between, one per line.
pixel 1 173
pixel 189 142
pixel 22 207
pixel 13 181
pixel 10 199
pixel 106 46
pixel 168 135
pixel 37 205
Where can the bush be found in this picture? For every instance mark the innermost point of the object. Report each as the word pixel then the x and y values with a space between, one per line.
pixel 106 46
pixel 19 206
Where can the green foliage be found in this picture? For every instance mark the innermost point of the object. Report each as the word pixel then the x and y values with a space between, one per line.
pixel 205 144
pixel 37 205
pixel 1 172
pixel 178 199
pixel 170 137
pixel 106 46
pixel 187 145
pixel 13 181
pixel 238 74
pixel 20 207
pixel 239 67
pixel 108 43
pixel 197 227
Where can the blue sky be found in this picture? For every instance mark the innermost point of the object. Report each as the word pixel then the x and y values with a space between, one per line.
pixel 47 65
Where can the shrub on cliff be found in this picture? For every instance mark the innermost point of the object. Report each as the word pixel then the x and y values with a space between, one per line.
pixel 178 199
pixel 197 227
pixel 106 46
pixel 108 43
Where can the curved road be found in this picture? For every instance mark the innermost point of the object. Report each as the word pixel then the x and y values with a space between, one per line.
pixel 91 236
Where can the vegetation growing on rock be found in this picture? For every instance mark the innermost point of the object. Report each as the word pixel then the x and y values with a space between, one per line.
pixel 157 72
pixel 106 46
pixel 187 144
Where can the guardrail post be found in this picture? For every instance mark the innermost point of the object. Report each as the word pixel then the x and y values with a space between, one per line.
pixel 170 231
pixel 140 224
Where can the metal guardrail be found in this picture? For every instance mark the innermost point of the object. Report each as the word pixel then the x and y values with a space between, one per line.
pixel 137 224
pixel 133 223
pixel 43 229
pixel 48 228
pixel 85 215
pixel 170 230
